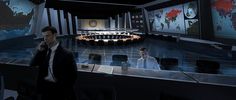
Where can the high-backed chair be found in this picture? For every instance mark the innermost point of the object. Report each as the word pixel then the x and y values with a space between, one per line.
pixel 118 59
pixel 100 43
pixel 91 42
pixel 119 42
pixel 95 59
pixel 128 41
pixel 207 66
pixel 135 40
pixel 168 63
pixel 110 42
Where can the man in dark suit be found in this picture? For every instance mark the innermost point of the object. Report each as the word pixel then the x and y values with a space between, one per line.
pixel 57 68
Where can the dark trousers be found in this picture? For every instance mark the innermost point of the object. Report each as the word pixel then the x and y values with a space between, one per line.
pixel 52 91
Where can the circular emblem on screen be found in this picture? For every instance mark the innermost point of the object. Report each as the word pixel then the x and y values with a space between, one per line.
pixel 190 10
pixel 92 23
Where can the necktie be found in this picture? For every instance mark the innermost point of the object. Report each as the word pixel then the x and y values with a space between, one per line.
pixel 145 63
pixel 48 56
pixel 47 62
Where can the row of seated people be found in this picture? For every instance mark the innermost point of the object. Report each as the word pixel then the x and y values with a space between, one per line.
pixel 107 36
pixel 109 42
pixel 122 33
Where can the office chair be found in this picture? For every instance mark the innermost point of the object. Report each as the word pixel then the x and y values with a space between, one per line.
pixel 110 42
pixel 91 42
pixel 118 59
pixel 167 63
pixel 128 41
pixel 120 42
pixel 100 43
pixel 207 66
pixel 95 59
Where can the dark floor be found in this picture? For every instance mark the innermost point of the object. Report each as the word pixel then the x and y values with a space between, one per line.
pixel 186 52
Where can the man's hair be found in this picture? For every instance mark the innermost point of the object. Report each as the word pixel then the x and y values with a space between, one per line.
pixel 143 49
pixel 49 28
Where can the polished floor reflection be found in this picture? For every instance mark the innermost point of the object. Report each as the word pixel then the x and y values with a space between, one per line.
pixel 185 52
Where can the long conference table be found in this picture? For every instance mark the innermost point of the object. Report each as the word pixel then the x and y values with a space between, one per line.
pixel 204 78
pixel 143 84
pixel 218 79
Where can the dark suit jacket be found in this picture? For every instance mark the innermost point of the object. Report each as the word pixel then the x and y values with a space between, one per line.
pixel 64 67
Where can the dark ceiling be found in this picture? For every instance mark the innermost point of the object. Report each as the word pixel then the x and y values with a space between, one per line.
pixel 132 2
pixel 95 8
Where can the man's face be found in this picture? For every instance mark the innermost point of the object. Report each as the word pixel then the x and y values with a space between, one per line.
pixel 143 54
pixel 49 38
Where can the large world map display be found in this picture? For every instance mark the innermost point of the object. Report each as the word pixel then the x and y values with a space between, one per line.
pixel 169 19
pixel 15 18
pixel 224 18
pixel 182 18
pixel 171 16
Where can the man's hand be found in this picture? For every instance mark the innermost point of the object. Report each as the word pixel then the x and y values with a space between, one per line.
pixel 42 46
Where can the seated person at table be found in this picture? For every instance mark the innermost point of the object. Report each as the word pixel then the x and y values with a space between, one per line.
pixel 147 61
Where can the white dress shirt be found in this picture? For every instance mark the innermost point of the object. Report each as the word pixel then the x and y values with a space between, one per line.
pixel 50 77
pixel 150 63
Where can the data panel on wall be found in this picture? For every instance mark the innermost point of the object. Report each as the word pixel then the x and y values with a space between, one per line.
pixel 181 19
pixel 224 18
pixel 137 21
pixel 16 18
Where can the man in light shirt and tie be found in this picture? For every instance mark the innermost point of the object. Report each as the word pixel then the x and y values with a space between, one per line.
pixel 146 61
